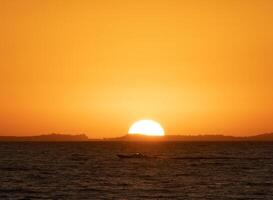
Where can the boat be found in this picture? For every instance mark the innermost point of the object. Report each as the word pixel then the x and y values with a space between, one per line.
pixel 133 155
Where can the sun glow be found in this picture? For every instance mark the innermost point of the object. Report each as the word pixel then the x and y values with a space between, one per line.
pixel 146 127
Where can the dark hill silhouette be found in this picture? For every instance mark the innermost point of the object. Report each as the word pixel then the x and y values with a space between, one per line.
pixel 261 137
pixel 46 138
pixel 267 137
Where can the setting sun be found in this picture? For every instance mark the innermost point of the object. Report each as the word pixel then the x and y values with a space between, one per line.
pixel 147 127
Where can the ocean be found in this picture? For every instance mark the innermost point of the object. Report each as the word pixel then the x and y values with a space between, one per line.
pixel 173 170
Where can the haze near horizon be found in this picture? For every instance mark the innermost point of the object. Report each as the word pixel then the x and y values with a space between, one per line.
pixel 96 67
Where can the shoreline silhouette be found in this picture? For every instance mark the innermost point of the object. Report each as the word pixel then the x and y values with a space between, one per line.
pixel 266 137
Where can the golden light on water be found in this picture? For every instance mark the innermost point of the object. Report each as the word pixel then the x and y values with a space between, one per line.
pixel 147 127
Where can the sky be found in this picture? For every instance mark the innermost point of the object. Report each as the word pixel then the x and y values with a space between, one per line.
pixel 95 67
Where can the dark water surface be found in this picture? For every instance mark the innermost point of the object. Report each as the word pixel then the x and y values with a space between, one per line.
pixel 91 170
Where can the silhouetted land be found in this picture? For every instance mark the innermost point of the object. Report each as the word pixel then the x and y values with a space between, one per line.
pixel 82 137
pixel 46 138
pixel 261 137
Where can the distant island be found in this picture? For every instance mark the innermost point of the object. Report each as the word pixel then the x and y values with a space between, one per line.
pixel 267 137
pixel 46 138
pixel 261 137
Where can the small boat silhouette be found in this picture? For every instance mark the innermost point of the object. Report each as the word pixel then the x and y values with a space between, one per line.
pixel 133 155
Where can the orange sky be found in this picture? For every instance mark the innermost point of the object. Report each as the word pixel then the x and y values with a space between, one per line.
pixel 97 66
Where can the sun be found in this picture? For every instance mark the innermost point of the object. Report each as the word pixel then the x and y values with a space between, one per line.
pixel 147 127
